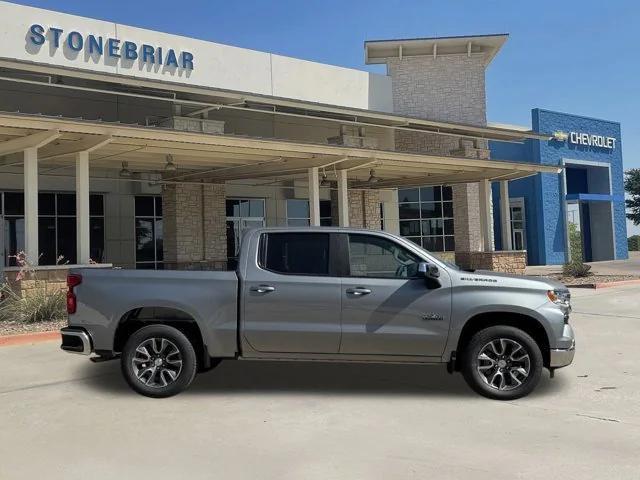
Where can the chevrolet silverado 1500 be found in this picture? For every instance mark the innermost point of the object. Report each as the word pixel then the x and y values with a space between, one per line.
pixel 326 294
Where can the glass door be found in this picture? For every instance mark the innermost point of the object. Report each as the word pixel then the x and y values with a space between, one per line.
pixel 518 236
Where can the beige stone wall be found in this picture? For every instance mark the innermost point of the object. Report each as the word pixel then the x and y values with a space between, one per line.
pixel 194 223
pixel 364 209
pixel 445 88
pixel 49 280
pixel 513 262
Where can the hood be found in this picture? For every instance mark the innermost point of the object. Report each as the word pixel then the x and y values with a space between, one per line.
pixel 518 280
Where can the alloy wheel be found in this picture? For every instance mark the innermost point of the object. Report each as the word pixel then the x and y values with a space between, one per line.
pixel 157 362
pixel 504 364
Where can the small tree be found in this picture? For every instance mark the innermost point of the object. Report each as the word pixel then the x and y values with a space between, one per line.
pixel 634 243
pixel 575 243
pixel 632 186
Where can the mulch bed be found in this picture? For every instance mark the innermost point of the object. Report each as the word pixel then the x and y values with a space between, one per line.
pixel 15 328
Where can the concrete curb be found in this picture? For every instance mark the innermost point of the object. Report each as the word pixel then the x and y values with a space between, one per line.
pixel 606 284
pixel 28 338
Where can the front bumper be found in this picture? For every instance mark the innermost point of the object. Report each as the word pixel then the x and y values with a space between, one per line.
pixel 561 357
pixel 76 340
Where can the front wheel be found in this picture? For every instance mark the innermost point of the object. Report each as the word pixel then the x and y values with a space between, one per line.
pixel 158 361
pixel 502 363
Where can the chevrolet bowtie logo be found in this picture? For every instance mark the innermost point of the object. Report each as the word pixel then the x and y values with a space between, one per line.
pixel 560 136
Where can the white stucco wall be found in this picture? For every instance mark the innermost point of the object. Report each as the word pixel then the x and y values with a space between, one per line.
pixel 215 65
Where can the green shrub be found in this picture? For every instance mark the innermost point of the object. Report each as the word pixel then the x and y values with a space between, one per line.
pixel 634 243
pixel 576 269
pixel 37 306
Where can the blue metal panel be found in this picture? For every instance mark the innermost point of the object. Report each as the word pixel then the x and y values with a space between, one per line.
pixel 544 201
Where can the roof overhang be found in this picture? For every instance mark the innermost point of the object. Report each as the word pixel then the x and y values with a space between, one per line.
pixel 379 51
pixel 219 158
pixel 196 99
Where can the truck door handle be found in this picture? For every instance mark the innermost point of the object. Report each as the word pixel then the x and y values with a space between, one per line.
pixel 263 289
pixel 358 291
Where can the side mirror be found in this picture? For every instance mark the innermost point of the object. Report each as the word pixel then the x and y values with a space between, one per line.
pixel 428 270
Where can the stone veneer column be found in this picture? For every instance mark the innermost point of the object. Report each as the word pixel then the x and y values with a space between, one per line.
pixel 194 224
pixel 364 209
pixel 448 88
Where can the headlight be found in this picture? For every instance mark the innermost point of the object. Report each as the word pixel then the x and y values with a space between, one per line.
pixel 560 297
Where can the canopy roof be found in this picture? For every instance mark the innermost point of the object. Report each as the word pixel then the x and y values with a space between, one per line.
pixel 219 158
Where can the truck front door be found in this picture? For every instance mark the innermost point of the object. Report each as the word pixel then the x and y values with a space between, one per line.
pixel 386 308
pixel 292 294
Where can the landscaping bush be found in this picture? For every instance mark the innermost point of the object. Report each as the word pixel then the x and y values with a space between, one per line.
pixel 576 269
pixel 37 306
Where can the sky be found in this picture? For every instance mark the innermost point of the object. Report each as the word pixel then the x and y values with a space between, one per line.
pixel 579 57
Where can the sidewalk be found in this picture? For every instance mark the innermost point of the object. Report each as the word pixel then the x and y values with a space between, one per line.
pixel 613 267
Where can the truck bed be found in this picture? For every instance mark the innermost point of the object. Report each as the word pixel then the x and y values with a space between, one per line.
pixel 107 296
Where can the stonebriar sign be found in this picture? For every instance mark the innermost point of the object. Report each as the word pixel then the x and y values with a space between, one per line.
pixel 112 47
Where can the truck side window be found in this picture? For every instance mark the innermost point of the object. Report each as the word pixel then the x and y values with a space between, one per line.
pixel 296 253
pixel 372 256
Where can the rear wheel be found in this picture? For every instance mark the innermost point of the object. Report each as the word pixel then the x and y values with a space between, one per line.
pixel 158 361
pixel 502 362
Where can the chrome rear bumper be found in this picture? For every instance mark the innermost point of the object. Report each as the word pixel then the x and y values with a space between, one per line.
pixel 76 340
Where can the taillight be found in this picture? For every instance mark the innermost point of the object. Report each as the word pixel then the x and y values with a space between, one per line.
pixel 73 280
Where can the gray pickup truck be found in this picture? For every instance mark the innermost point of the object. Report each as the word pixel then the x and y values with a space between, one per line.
pixel 326 294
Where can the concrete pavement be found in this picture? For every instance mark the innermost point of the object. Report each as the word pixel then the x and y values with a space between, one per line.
pixel 631 266
pixel 66 418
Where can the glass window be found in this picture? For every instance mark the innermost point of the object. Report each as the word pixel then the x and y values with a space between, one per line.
pixel 298 214
pixel 96 205
pixel 46 204
pixel 372 256
pixel 56 227
pixel 66 239
pixel 149 236
pixel 426 216
pixel 408 195
pixel 66 204
pixel 145 206
pixel 13 203
pixel 297 253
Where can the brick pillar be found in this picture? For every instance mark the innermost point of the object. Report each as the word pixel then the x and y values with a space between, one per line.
pixel 448 88
pixel 194 225
pixel 364 209
pixel 215 223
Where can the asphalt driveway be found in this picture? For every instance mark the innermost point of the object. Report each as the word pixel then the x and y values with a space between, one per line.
pixel 66 418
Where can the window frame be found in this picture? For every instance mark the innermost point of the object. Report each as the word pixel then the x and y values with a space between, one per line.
pixel 55 216
pixel 348 257
pixel 333 261
pixel 418 203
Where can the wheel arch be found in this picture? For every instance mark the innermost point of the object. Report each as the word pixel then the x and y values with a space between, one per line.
pixel 526 323
pixel 136 318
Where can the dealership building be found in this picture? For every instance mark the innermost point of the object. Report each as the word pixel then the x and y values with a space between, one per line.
pixel 141 149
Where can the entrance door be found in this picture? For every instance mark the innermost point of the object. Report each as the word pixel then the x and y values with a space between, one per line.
pixel 518 229
pixel 387 309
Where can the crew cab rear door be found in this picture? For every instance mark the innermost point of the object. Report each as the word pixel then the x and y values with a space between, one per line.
pixel 387 309
pixel 291 294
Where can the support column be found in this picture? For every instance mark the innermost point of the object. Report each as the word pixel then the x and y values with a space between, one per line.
pixel 343 199
pixel 505 216
pixel 314 197
pixel 31 247
pixel 486 221
pixel 82 208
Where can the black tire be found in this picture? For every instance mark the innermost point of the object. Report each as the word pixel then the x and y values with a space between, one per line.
pixel 176 357
pixel 480 382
